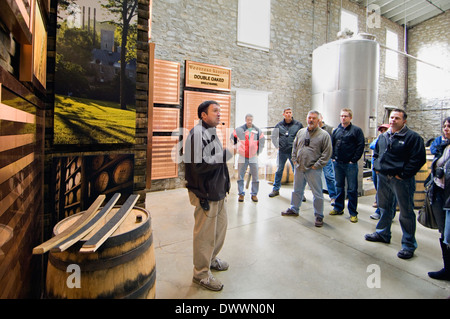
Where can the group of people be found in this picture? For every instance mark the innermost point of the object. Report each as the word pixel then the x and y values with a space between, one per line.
pixel 399 154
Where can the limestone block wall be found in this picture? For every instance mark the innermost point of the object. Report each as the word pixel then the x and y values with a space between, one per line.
pixel 429 87
pixel 206 32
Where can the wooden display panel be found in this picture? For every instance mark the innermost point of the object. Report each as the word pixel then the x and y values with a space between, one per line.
pixel 163 166
pixel 166 88
pixel 207 76
pixel 165 119
pixel 192 99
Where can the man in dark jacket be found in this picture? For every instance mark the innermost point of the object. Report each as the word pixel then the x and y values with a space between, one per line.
pixel 399 154
pixel 348 147
pixel 208 183
pixel 282 138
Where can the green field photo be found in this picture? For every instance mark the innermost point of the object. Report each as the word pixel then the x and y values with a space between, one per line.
pixel 95 72
pixel 86 121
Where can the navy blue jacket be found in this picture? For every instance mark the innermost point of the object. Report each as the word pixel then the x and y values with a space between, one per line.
pixel 348 143
pixel 402 153
pixel 286 135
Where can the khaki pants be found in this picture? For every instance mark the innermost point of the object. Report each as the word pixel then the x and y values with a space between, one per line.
pixel 209 234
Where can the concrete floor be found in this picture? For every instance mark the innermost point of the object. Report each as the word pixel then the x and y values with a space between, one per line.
pixel 276 257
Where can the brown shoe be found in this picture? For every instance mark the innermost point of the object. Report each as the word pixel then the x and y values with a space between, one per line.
pixel 241 198
pixel 318 222
pixel 254 198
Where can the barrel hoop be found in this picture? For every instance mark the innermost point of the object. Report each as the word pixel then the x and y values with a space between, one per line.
pixel 101 264
pixel 138 293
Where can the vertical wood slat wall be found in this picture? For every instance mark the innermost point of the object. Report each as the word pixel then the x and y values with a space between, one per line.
pixel 21 187
pixel 166 119
pixel 192 100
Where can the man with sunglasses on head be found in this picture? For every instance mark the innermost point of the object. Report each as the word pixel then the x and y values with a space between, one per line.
pixel 399 154
pixel 348 147
pixel 310 153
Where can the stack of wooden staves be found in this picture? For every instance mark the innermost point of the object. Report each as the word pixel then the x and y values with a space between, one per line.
pixel 84 225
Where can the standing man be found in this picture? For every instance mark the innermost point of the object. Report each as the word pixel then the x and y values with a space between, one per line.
pixel 348 147
pixel 282 138
pixel 310 153
pixel 250 140
pixel 208 183
pixel 328 170
pixel 399 154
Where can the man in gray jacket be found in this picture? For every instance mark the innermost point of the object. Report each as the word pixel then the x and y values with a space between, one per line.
pixel 310 153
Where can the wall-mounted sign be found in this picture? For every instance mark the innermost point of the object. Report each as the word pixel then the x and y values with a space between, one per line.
pixel 206 76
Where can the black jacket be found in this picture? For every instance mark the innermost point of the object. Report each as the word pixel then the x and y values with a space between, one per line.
pixel 402 153
pixel 206 169
pixel 286 135
pixel 348 143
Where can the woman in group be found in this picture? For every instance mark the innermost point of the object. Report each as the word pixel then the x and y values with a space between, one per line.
pixel 440 199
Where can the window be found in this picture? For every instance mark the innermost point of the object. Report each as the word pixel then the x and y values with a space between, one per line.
pixel 391 65
pixel 349 21
pixel 253 28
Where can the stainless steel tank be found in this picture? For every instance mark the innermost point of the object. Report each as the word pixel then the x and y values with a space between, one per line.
pixel 345 74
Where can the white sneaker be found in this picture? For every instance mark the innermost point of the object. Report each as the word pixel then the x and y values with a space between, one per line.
pixel 210 282
pixel 375 216
pixel 219 265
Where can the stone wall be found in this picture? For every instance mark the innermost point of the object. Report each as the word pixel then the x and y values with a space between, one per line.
pixel 206 31
pixel 429 97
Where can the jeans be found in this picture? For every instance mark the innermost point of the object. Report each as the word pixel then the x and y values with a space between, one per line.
pixel 375 182
pixel 447 229
pixel 282 158
pixel 243 162
pixel 389 189
pixel 328 172
pixel 440 214
pixel 314 179
pixel 349 172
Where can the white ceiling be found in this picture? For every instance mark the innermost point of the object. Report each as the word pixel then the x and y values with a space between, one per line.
pixel 412 12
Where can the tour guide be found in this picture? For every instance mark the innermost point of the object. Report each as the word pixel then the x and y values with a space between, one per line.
pixel 208 183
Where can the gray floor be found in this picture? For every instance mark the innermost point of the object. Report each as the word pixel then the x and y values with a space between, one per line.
pixel 278 257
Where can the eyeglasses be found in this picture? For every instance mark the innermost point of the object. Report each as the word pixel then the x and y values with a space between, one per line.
pixel 307 142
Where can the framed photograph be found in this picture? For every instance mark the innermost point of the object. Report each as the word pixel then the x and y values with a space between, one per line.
pixel 95 78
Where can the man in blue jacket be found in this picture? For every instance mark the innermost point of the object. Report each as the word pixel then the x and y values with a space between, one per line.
pixel 282 138
pixel 348 147
pixel 399 155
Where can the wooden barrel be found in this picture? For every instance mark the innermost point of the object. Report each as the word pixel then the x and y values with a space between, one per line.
pixel 123 172
pixel 271 169
pixel 101 182
pixel 419 194
pixel 430 158
pixel 123 267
